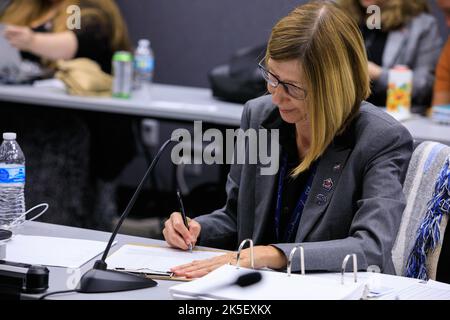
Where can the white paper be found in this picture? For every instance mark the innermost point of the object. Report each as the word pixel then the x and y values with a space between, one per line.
pixel 160 259
pixel 423 292
pixel 438 285
pixel 184 106
pixel 404 288
pixel 52 84
pixel 273 286
pixel 390 287
pixel 51 251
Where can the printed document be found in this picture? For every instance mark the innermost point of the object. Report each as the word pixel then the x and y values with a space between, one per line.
pixel 52 251
pixel 154 259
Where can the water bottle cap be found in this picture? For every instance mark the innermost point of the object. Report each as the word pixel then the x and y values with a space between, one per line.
pixel 9 136
pixel 144 42
pixel 122 56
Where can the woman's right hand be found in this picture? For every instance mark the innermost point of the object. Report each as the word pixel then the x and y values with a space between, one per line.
pixel 177 235
pixel 19 37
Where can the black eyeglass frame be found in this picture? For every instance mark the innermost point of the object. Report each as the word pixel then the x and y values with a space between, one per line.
pixel 265 73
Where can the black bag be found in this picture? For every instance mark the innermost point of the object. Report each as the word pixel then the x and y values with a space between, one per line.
pixel 240 80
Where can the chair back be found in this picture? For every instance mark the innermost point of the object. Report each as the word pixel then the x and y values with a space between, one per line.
pixel 424 168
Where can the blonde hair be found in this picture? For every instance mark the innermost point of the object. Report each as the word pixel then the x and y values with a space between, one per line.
pixel 394 13
pixel 25 12
pixel 331 51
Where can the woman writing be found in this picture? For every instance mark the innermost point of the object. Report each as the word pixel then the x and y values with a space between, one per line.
pixel 342 160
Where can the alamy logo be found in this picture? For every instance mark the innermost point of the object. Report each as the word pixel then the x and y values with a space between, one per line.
pixel 237 147
pixel 74 20
pixel 374 20
pixel 73 279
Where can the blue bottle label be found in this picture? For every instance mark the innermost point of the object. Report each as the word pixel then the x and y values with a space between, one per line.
pixel 145 64
pixel 14 174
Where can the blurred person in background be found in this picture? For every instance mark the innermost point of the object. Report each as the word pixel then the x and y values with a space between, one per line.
pixel 442 85
pixel 82 148
pixel 408 36
pixel 39 29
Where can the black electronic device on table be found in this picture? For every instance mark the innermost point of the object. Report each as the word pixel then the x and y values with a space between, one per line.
pixel 21 277
pixel 26 278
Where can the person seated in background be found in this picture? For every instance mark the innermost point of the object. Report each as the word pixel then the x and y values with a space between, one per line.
pixel 39 29
pixel 342 162
pixel 408 36
pixel 441 94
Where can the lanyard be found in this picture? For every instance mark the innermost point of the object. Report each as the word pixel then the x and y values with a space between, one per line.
pixel 296 215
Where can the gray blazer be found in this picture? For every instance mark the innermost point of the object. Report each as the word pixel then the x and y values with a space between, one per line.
pixel 417 45
pixel 361 213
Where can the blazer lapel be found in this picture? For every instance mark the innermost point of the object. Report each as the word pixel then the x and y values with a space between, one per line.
pixel 395 41
pixel 265 188
pixel 327 176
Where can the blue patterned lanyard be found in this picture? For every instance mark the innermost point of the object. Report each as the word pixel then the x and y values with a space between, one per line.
pixel 296 215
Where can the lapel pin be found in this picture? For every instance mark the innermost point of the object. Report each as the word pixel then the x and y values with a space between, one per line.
pixel 327 184
pixel 321 199
pixel 337 167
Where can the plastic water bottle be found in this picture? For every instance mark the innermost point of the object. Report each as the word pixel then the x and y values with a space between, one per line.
pixel 12 182
pixel 144 64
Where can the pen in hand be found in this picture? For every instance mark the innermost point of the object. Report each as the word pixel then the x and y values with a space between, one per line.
pixel 183 214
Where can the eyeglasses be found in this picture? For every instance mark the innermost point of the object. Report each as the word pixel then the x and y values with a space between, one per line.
pixel 292 90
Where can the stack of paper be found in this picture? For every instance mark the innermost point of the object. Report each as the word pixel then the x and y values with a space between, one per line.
pixel 273 286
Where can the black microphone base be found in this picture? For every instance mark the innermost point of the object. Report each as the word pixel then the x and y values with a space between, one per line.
pixel 104 281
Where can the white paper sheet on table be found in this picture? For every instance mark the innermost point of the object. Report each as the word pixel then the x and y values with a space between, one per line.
pixel 52 251
pixel 161 259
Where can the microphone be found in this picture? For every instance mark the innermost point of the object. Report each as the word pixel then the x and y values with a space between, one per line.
pixel 101 280
pixel 248 279
pixel 242 281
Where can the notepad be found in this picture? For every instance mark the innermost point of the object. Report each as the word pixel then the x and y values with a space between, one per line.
pixel 154 260
pixel 273 286
pixel 52 251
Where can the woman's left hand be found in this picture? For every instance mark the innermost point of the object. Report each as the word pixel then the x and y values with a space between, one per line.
pixel 19 37
pixel 264 256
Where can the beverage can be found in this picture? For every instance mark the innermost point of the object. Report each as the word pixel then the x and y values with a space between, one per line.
pixel 399 90
pixel 123 74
